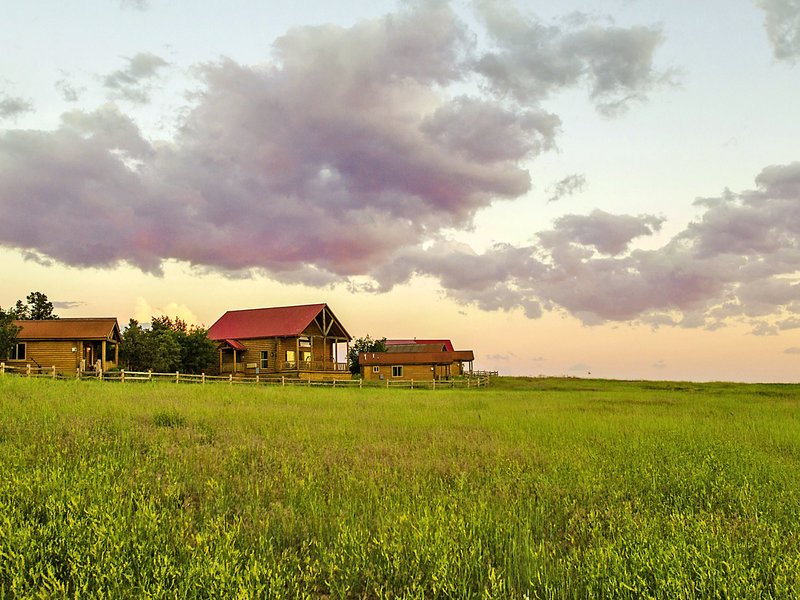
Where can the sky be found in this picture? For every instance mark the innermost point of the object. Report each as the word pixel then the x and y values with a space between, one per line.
pixel 590 189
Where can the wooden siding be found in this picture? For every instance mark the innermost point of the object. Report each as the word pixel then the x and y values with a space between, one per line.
pixel 248 361
pixel 58 353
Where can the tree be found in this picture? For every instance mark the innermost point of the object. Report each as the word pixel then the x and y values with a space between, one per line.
pixel 8 332
pixel 167 346
pixel 364 344
pixel 38 307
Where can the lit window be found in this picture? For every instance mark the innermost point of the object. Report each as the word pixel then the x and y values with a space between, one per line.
pixel 264 359
pixel 305 356
pixel 290 356
pixel 376 369
pixel 305 341
pixel 397 371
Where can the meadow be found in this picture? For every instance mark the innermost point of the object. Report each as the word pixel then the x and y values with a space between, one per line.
pixel 532 488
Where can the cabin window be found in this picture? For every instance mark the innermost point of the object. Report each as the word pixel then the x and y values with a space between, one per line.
pixel 397 371
pixel 18 352
pixel 376 369
pixel 305 341
pixel 290 356
pixel 305 356
pixel 264 359
pixel 110 352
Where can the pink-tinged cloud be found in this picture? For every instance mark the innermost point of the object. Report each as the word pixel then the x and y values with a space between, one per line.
pixel 737 261
pixel 349 147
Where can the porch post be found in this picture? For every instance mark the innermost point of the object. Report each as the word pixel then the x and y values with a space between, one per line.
pixel 103 357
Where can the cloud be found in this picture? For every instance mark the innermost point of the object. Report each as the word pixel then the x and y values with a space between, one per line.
pixel 607 233
pixel 782 24
pixel 347 152
pixel 132 83
pixel 144 312
pixel 135 4
pixel 660 364
pixel 580 367
pixel 738 260
pixel 571 184
pixel 68 304
pixel 532 60
pixel 13 107
pixel 792 350
pixel 68 91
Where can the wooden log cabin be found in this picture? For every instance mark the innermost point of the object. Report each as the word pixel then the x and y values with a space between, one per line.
pixel 416 359
pixel 67 344
pixel 291 341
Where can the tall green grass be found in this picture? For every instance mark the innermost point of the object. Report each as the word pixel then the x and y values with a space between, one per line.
pixel 533 488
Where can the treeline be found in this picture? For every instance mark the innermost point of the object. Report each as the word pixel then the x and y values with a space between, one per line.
pixel 167 346
pixel 35 307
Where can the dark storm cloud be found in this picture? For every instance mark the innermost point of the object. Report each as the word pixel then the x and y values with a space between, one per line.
pixel 132 83
pixel 782 24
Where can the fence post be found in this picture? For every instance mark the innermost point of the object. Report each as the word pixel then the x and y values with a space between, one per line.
pixel 257 379
pixel 149 374
pixel 434 383
pixel 283 381
pixel 334 382
pixel 360 381
pixel 230 379
pixel 309 381
pixel 203 379
pixel 2 368
pixel 28 370
pixel 78 373
pixel 468 382
pixel 54 371
pixel 99 374
pixel 412 384
pixel 387 383
pixel 122 376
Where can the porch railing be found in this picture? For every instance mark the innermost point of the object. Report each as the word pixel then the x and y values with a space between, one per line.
pixel 312 365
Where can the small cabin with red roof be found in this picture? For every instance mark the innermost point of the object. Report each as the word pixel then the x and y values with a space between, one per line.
pixel 297 341
pixel 416 359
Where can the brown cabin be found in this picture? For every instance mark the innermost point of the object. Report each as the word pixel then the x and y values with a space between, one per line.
pixel 294 341
pixel 416 359
pixel 67 344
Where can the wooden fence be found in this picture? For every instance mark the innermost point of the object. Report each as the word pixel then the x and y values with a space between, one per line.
pixel 177 377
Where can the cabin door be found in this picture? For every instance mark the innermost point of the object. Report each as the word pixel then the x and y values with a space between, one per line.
pixel 88 354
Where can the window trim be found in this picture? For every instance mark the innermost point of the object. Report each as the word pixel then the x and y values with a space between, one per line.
pixel 264 359
pixel 14 354
pixel 376 369
pixel 397 370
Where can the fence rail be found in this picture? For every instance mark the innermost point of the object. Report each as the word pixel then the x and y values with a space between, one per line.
pixel 123 376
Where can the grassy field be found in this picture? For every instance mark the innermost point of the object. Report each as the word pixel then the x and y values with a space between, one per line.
pixel 533 488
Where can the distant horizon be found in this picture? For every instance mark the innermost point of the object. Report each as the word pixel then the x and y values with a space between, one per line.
pixel 595 187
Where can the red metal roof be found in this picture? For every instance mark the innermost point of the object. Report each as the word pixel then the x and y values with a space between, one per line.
pixel 277 321
pixel 98 328
pixel 233 344
pixel 414 358
pixel 447 343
